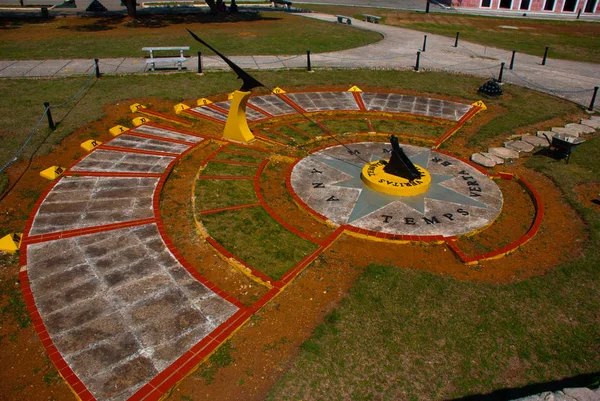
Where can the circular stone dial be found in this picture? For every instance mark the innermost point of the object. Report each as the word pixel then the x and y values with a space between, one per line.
pixel 460 199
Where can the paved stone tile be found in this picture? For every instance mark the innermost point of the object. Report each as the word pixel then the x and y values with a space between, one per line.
pixel 113 161
pixel 136 142
pixel 206 111
pixel 324 101
pixel 77 67
pixel 591 123
pixel 165 133
pixel 497 159
pixel 47 67
pixel 119 306
pixel 20 69
pixel 272 104
pixel 504 153
pixel 79 202
pixel 251 114
pixel 396 103
pixel 566 131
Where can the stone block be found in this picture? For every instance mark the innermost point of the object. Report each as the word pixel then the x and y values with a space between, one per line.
pixel 543 134
pixel 566 131
pixel 594 123
pixel 535 140
pixel 504 153
pixel 581 128
pixel 497 159
pixel 519 146
pixel 482 160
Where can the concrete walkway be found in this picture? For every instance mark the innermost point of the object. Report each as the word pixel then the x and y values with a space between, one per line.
pixel 571 80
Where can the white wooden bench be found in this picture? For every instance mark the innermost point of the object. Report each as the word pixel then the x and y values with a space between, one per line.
pixel 342 19
pixel 177 61
pixel 372 18
pixel 287 4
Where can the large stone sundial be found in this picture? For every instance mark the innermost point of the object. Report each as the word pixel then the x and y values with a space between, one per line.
pixel 459 199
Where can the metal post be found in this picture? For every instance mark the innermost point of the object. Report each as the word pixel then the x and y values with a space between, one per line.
pixel 427 8
pixel 579 13
pixel 424 42
pixel 545 56
pixel 456 41
pixel 308 68
pixel 501 72
pixel 418 59
pixel 512 60
pixel 200 64
pixel 591 108
pixel 97 67
pixel 49 114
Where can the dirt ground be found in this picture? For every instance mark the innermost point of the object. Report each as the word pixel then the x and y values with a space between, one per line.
pixel 267 344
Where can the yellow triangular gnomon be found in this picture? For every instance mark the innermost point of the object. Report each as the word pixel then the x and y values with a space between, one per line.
pixel 355 89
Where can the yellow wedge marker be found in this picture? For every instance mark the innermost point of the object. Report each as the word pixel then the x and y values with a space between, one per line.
pixel 179 107
pixel 53 172
pixel 203 102
pixel 136 106
pixel 278 91
pixel 480 103
pixel 10 243
pixel 231 95
pixel 140 120
pixel 90 145
pixel 236 127
pixel 355 89
pixel 117 130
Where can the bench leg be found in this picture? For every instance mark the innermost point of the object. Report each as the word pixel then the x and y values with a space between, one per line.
pixel 152 66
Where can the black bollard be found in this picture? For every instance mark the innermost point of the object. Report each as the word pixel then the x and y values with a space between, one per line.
pixel 456 41
pixel 591 108
pixel 418 60
pixel 49 114
pixel 579 13
pixel 308 68
pixel 545 56
pixel 45 14
pixel 427 7
pixel 501 72
pixel 424 42
pixel 512 60
pixel 97 68
pixel 200 64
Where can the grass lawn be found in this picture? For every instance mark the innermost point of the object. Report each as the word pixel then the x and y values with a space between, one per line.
pixel 569 40
pixel 402 334
pixel 116 36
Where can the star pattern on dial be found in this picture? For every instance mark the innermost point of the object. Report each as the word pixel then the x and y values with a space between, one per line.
pixel 370 201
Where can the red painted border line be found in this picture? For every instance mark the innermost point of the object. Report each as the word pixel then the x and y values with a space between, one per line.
pixel 370 125
pixel 116 174
pixel 194 113
pixel 281 134
pixel 228 208
pixel 267 139
pixel 87 230
pixel 234 162
pixel 135 150
pixel 300 266
pixel 468 115
pixel 477 167
pixel 223 251
pixel 163 116
pixel 157 138
pixel 396 237
pixel 225 177
pixel 264 112
pixel 235 152
pixel 272 213
pixel 359 101
pixel 290 102
pixel 220 109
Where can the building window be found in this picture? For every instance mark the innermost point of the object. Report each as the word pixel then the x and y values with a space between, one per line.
pixel 525 4
pixel 549 6
pixel 486 3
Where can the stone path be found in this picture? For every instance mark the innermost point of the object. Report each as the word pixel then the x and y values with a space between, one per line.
pixel 571 80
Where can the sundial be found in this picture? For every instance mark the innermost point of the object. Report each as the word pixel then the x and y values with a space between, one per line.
pixel 449 198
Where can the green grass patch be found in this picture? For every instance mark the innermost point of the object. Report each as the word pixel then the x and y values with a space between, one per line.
pixel 257 239
pixel 13 305
pixel 213 194
pixel 220 359
pixel 240 158
pixel 340 126
pixel 224 169
pixel 416 335
pixel 298 137
pixel 240 34
pixel 409 128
